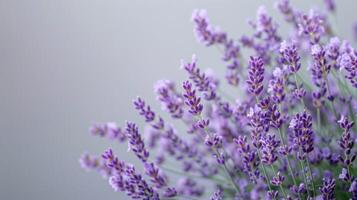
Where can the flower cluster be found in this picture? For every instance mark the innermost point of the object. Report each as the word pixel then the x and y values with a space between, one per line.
pixel 288 133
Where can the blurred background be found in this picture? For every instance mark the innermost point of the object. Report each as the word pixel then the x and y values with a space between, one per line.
pixel 66 64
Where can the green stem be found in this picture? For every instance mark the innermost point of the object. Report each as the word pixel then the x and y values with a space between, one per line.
pixel 312 179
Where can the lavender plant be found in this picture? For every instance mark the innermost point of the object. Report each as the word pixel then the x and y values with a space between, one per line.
pixel 289 135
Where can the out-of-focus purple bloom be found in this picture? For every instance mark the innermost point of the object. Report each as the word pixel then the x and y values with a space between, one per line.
pixel 217 195
pixel 191 100
pixel 110 130
pixel 328 188
pixel 348 61
pixel 276 86
pixel 353 189
pixel 204 31
pixel 266 26
pixel 256 75
pixel 278 179
pixel 213 141
pixel 333 51
pixel 136 144
pixel 346 142
pixel 312 26
pixel 290 56
pixel 170 192
pixel 330 5
pixel 288 12
pixel 90 163
pixel 170 99
pixel 189 187
pixel 156 177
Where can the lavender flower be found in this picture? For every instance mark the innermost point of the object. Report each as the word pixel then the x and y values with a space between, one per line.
pixel 301 125
pixel 204 32
pixel 204 83
pixel 312 26
pixel 278 179
pixel 328 188
pixel 256 75
pixel 170 99
pixel 136 144
pixel 346 142
pixel 239 128
pixel 269 146
pixel 289 56
pixel 217 195
pixel 144 110
pixel 191 100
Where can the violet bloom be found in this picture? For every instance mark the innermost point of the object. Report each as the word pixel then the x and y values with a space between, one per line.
pixel 312 26
pixel 303 135
pixel 333 51
pixel 269 146
pixel 170 99
pixel 328 188
pixel 93 163
pixel 202 82
pixel 157 178
pixel 217 195
pixel 276 86
pixel 278 179
pixel 110 130
pixel 348 61
pixel 266 26
pixel 256 75
pixel 191 100
pixel 290 56
pixel 330 5
pixel 346 142
pixel 136 144
pixel 287 10
pixel 204 32
pixel 249 158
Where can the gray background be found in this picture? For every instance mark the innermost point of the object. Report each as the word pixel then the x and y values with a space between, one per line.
pixel 66 64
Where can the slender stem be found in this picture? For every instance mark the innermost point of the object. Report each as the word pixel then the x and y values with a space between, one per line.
pixel 304 176
pixel 298 87
pixel 312 180
pixel 224 164
pixel 329 93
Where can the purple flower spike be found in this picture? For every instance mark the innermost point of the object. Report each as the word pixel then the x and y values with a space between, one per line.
pixel 303 136
pixel 144 110
pixel 256 75
pixel 217 195
pixel 136 144
pixel 328 188
pixel 203 83
pixel 278 179
pixel 269 146
pixel 276 86
pixel 153 172
pixel 191 100
pixel 204 32
pixel 289 56
pixel 346 142
pixel 312 26
pixel 170 99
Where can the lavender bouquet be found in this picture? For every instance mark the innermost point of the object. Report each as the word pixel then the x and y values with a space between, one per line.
pixel 288 135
